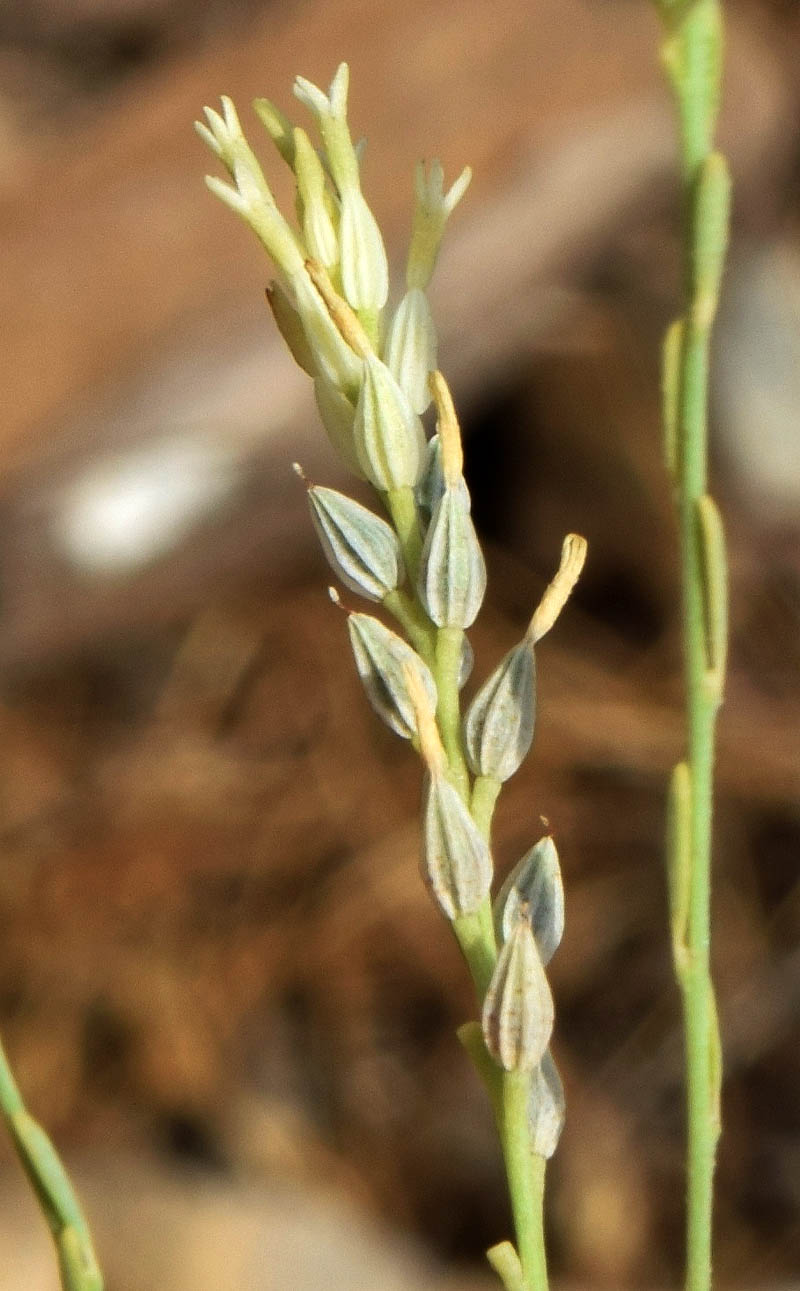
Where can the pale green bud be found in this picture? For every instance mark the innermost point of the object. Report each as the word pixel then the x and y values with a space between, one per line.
pixel 364 268
pixel 517 1017
pixel 452 571
pixel 389 436
pixel 410 350
pixel 499 724
pixel 264 218
pixel 546 1107
pixel 361 548
pixel 337 415
pixel 456 864
pixel 433 207
pixel 278 127
pixel 383 660
pixel 534 890
pixel 333 357
pixel 318 231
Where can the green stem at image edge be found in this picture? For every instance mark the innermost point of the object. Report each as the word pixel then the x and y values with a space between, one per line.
pixel 692 55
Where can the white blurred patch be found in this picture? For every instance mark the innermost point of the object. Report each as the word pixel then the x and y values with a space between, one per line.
pixel 131 508
pixel 758 377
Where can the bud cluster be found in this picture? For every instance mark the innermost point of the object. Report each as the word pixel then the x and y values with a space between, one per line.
pixel 375 375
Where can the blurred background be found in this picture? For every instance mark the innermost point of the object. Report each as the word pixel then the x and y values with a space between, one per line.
pixel 221 983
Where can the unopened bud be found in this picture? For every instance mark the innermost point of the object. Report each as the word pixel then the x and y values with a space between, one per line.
pixel 389 436
pixel 318 231
pixel 534 890
pixel 410 350
pixel 382 658
pixel 452 572
pixel 361 548
pixel 499 724
pixel 456 863
pixel 517 1016
pixel 546 1107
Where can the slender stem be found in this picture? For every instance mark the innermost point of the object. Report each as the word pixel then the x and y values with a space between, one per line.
pixel 402 508
pixel 475 935
pixel 54 1192
pixel 416 624
pixel 525 1172
pixel 485 793
pixel 449 643
pixel 692 56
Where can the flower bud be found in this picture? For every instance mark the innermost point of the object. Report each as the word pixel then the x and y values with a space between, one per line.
pixel 410 351
pixel 517 1018
pixel 452 572
pixel 433 206
pixel 361 548
pixel 382 659
pixel 364 268
pixel 499 724
pixel 431 485
pixel 318 231
pixel 534 890
pixel 389 436
pixel 546 1107
pixel 456 864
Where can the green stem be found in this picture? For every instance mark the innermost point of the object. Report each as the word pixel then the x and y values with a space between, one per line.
pixel 402 507
pixel 692 55
pixel 475 936
pixel 525 1172
pixel 56 1197
pixel 415 623
pixel 485 793
pixel 448 711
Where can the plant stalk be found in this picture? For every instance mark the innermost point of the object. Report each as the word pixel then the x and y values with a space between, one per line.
pixel 692 56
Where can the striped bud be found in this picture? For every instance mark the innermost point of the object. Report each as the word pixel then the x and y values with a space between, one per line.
pixel 499 725
pixel 410 350
pixel 546 1107
pixel 381 657
pixel 456 864
pixel 517 1017
pixel 361 548
pixel 534 890
pixel 389 436
pixel 364 268
pixel 452 572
